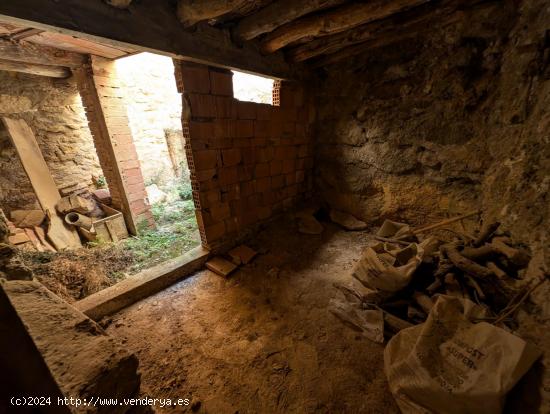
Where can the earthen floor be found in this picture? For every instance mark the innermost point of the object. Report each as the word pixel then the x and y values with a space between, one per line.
pixel 263 340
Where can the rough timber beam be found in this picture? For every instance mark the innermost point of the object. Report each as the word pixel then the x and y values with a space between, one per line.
pixel 276 14
pixel 194 11
pixel 148 25
pixel 42 70
pixel 335 21
pixel 39 55
pixel 425 15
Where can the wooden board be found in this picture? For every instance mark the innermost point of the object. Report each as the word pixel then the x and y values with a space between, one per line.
pixel 220 266
pixel 42 182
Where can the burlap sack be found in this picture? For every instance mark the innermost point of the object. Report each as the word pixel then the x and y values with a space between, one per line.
pixel 451 365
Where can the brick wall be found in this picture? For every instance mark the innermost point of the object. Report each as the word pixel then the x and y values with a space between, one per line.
pixel 103 101
pixel 248 161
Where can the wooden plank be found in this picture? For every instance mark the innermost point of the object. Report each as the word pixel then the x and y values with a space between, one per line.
pixel 40 55
pixel 74 44
pixel 41 180
pixel 33 69
pixel 148 26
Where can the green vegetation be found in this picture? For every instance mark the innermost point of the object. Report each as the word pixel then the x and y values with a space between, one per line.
pixel 176 233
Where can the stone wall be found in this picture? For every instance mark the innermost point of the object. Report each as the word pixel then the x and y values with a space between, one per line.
pixel 447 122
pixel 53 110
pixel 248 161
pixel 154 106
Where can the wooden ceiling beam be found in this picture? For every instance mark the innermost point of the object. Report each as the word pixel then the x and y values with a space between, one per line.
pixel 410 20
pixel 34 69
pixel 191 12
pixel 335 21
pixel 30 53
pixel 385 39
pixel 148 26
pixel 277 14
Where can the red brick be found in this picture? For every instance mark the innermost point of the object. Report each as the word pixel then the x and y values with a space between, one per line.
pixel 302 151
pixel 200 131
pixel 244 128
pixel 226 107
pixel 275 129
pixel 221 82
pixel 264 212
pixel 205 175
pixel 202 106
pixel 263 112
pixel 277 181
pixel 228 176
pixel 231 225
pixel 220 211
pixel 265 154
pixel 246 172
pixel 290 178
pixel 205 160
pixel 262 170
pixel 214 232
pixel 195 78
pixel 208 198
pixel 263 184
pixel 231 157
pixel 231 192
pixel 261 128
pixel 299 176
pixel 289 129
pixel 288 166
pixel 248 188
pixel 246 110
pixel 224 128
pixel 249 155
pixel 242 142
pixel 275 167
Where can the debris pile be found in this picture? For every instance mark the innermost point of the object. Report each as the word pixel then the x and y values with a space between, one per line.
pixel 448 307
pixel 240 255
pixel 33 230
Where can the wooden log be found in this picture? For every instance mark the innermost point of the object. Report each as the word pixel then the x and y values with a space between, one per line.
pixel 420 17
pixel 476 253
pixel 492 266
pixel 487 230
pixel 445 222
pixel 519 257
pixel 464 264
pixel 152 26
pixel 335 21
pixel 31 53
pixel 33 69
pixel 276 14
pixel 424 301
pixel 119 4
pixel 190 12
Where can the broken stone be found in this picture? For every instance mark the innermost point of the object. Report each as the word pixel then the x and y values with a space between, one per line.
pixel 242 254
pixel 27 218
pixel 103 196
pixel 74 203
pixel 220 266
pixel 155 194
pixel 19 238
pixel 347 221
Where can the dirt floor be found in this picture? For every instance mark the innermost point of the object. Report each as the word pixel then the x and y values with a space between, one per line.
pixel 263 340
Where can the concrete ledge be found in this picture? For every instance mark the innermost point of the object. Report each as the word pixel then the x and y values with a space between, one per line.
pixel 141 285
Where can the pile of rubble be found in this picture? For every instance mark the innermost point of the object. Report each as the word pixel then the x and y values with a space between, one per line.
pixel 448 307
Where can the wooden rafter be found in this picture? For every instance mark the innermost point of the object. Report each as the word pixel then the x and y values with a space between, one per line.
pixel 335 21
pixel 191 12
pixel 30 53
pixel 34 69
pixel 388 38
pixel 412 20
pixel 151 26
pixel 276 14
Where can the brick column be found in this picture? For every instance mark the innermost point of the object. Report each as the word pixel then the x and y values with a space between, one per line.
pixel 103 101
